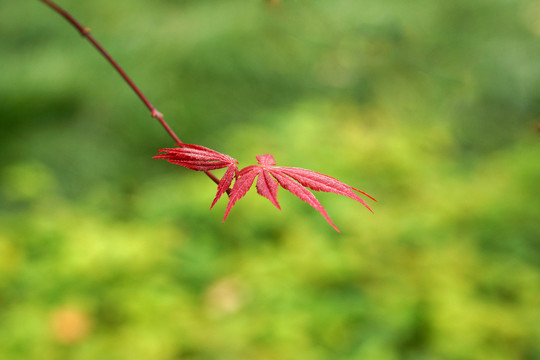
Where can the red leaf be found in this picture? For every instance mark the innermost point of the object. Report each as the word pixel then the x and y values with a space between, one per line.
pixel 200 158
pixel 295 180
pixel 196 157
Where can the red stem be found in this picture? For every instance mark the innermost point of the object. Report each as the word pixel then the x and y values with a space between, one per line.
pixel 85 32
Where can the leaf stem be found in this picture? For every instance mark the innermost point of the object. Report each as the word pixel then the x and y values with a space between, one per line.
pixel 85 32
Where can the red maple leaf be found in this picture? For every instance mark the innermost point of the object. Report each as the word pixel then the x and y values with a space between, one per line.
pixel 295 180
pixel 200 158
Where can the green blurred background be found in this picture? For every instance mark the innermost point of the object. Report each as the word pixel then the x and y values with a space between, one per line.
pixel 430 106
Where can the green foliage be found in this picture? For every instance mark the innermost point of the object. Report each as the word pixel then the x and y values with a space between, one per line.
pixel 431 107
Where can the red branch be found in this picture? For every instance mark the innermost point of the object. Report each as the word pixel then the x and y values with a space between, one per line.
pixel 85 32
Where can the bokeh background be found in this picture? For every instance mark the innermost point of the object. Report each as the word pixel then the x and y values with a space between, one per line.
pixel 432 107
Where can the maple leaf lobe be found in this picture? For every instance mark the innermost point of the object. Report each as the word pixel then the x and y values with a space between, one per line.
pixel 266 160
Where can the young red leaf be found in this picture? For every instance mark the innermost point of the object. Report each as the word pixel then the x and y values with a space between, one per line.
pixel 200 158
pixel 295 180
pixel 196 157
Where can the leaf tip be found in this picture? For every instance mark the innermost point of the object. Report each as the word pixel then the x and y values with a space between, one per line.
pixel 266 160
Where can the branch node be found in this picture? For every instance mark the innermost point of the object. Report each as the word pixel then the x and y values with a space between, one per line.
pixel 156 114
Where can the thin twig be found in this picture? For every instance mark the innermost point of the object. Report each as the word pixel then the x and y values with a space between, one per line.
pixel 85 32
